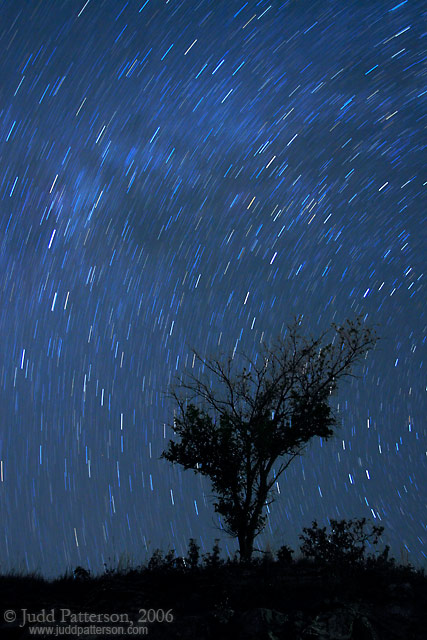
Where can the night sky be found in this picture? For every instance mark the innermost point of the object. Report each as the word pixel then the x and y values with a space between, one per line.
pixel 195 173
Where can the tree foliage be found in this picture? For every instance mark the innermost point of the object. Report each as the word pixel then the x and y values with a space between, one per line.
pixel 241 426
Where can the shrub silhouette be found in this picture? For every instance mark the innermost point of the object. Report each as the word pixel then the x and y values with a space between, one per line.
pixel 284 554
pixel 345 542
pixel 213 559
pixel 80 573
pixel 193 554
pixel 165 562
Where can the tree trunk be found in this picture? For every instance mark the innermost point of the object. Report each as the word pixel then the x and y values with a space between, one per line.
pixel 246 545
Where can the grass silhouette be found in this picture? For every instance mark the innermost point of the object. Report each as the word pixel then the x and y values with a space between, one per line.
pixel 207 596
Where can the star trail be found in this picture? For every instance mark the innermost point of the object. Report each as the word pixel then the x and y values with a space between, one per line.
pixel 196 173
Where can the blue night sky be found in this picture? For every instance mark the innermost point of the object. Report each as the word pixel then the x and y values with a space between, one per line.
pixel 195 173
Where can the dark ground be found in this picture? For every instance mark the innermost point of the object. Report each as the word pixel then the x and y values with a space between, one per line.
pixel 268 599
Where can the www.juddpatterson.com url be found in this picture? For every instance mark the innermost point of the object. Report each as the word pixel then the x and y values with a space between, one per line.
pixel 76 631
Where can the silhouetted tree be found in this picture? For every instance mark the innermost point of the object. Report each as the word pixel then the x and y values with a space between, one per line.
pixel 234 426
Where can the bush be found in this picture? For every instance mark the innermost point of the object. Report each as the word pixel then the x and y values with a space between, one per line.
pixel 156 561
pixel 383 561
pixel 193 554
pixel 80 573
pixel 213 559
pixel 346 542
pixel 284 554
